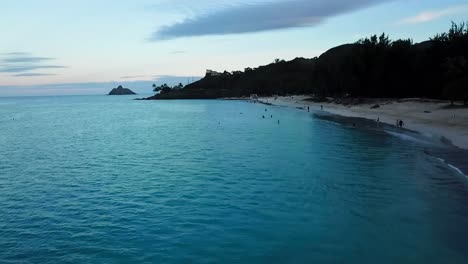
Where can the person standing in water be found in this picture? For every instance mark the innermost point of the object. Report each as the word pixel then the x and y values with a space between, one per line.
pixel 401 123
pixel 308 109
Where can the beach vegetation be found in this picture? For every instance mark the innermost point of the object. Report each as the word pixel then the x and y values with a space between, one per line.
pixel 164 88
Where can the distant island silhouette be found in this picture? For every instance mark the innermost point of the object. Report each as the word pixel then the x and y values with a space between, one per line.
pixel 374 67
pixel 121 91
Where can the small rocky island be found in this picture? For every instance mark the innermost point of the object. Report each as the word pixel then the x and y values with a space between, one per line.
pixel 121 91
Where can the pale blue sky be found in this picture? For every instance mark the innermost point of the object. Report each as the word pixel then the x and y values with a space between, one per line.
pixel 84 46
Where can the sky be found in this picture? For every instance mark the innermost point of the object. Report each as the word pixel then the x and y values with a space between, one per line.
pixel 57 47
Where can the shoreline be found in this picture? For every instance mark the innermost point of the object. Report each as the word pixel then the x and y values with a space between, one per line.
pixel 429 118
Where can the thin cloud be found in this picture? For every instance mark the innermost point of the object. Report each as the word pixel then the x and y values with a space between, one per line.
pixel 431 15
pixel 261 16
pixel 193 8
pixel 33 74
pixel 15 53
pixel 22 64
pixel 14 69
pixel 134 76
pixel 26 59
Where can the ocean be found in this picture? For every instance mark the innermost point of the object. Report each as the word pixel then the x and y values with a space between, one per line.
pixel 102 179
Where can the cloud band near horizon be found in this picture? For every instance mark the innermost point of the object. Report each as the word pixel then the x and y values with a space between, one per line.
pixel 21 64
pixel 259 17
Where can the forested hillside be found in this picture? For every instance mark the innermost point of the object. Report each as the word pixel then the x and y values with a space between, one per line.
pixel 371 67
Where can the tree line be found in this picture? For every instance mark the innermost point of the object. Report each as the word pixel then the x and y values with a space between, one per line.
pixel 166 88
pixel 372 67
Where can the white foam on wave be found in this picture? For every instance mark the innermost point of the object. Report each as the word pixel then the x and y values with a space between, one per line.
pixel 406 137
pixel 453 167
pixel 457 170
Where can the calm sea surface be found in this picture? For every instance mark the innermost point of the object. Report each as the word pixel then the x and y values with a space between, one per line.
pixel 98 179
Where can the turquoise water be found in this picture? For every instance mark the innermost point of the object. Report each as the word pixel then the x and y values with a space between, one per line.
pixel 97 179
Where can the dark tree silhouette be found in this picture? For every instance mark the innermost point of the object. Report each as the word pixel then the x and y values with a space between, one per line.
pixel 372 67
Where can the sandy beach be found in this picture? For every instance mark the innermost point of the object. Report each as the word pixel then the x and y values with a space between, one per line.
pixel 431 118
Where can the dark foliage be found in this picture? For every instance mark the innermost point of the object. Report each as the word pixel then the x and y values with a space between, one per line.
pixel 164 88
pixel 371 67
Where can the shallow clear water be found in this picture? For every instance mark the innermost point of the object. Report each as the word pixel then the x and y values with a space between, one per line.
pixel 97 179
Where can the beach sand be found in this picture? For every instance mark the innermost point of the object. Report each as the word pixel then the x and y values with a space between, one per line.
pixel 430 118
